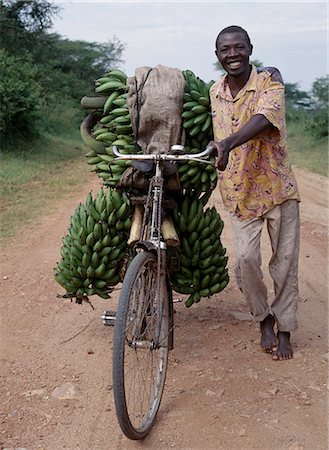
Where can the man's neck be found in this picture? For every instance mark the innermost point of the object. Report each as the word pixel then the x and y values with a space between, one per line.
pixel 236 83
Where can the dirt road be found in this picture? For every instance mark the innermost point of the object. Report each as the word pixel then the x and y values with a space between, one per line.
pixel 222 391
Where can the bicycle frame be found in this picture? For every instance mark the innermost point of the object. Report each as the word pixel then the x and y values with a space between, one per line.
pixel 150 236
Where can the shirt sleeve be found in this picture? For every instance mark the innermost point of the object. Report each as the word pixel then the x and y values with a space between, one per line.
pixel 271 103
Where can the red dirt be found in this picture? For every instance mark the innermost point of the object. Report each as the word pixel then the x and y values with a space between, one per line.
pixel 222 391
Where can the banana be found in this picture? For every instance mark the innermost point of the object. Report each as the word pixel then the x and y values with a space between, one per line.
pixel 206 123
pixel 192 224
pixel 100 270
pixel 122 211
pixel 200 119
pixel 109 101
pixel 118 74
pixel 193 210
pixel 99 284
pixel 189 114
pixel 120 101
pixel 189 123
pixel 200 109
pixel 195 130
pixel 186 248
pixel 109 86
pixel 195 95
pixel 120 111
pixel 204 101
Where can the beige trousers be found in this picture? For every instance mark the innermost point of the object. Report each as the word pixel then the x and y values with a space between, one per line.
pixel 283 226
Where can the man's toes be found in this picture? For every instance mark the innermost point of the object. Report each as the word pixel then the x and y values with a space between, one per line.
pixel 281 356
pixel 270 348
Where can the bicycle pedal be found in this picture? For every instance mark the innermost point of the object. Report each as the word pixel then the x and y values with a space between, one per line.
pixel 108 318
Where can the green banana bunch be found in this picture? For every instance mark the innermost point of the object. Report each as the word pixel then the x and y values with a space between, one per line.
pixel 95 245
pixel 196 109
pixel 197 178
pixel 111 126
pixel 203 264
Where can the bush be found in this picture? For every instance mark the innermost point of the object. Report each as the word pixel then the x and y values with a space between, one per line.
pixel 20 97
pixel 318 124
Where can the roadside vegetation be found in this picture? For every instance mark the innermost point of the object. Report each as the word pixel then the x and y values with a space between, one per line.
pixel 43 77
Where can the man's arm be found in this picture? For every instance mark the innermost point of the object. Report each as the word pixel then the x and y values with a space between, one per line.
pixel 256 125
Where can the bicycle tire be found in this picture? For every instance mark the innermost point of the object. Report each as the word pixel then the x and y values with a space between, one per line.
pixel 135 317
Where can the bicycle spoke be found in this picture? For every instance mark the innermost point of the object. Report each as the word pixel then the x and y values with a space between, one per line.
pixel 144 363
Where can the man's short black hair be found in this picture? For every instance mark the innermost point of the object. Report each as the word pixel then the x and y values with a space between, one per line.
pixel 233 29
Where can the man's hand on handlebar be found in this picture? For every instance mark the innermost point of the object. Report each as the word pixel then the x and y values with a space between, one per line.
pixel 222 154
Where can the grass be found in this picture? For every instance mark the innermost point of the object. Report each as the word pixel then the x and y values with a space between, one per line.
pixel 36 177
pixel 305 150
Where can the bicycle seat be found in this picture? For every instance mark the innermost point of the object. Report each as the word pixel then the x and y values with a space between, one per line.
pixel 147 167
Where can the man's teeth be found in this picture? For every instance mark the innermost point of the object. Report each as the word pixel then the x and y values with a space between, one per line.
pixel 234 65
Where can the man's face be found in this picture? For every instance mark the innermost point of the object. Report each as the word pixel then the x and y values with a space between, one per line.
pixel 233 52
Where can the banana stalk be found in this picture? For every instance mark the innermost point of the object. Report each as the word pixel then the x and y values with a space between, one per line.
pixel 136 225
pixel 169 232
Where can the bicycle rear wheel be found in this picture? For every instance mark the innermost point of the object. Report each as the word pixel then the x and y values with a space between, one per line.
pixel 140 349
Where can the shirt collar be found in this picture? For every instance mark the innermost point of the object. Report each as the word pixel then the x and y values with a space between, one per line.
pixel 224 92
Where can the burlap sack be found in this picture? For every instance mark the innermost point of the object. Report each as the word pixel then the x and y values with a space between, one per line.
pixel 155 102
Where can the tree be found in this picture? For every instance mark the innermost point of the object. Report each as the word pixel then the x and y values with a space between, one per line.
pixel 320 91
pixel 20 97
pixel 40 71
pixel 319 123
pixel 295 98
pixel 24 24
pixel 86 61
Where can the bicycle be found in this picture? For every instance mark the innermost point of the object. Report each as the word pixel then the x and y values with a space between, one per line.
pixel 144 323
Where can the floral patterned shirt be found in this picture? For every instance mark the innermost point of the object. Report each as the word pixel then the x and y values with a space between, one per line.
pixel 258 175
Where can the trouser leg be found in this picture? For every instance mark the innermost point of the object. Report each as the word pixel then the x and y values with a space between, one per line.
pixel 248 271
pixel 284 230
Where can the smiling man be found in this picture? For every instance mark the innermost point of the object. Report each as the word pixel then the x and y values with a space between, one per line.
pixel 257 185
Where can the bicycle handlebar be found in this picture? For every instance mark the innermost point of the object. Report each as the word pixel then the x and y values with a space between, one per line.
pixel 167 157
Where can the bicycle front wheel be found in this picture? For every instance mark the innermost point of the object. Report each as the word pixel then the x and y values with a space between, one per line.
pixel 140 349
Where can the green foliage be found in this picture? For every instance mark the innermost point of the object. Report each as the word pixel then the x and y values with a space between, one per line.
pixel 295 98
pixel 87 60
pixel 28 15
pixel 320 91
pixel 318 125
pixel 24 25
pixel 20 96
pixel 44 76
pixel 38 174
pixel 307 150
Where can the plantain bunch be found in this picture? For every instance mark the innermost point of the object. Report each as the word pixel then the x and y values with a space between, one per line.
pixel 202 271
pixel 196 109
pixel 196 177
pixel 111 126
pixel 95 245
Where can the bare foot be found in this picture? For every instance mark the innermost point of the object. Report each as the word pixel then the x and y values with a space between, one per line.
pixel 269 340
pixel 284 350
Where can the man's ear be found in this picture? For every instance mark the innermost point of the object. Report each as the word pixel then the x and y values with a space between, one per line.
pixel 216 52
pixel 251 49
